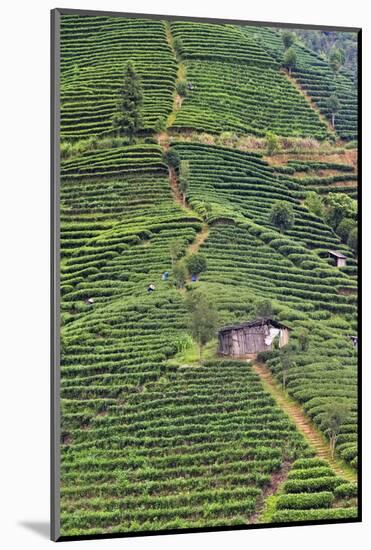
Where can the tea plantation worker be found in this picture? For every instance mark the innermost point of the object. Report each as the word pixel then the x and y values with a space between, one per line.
pixel 165 276
pixel 151 288
pixel 90 301
pixel 194 277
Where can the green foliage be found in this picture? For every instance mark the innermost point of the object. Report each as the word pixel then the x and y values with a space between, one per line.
pixel 289 516
pixel 338 207
pixel 288 39
pixel 176 249
pixel 196 263
pixel 312 485
pixel 353 240
pixel 92 58
pixel 128 119
pixel 160 125
pixel 313 72
pixel 333 105
pixel 335 415
pixel 282 215
pixel 314 203
pixel 178 45
pixel 203 318
pixel 184 173
pixel 323 43
pixel 265 356
pixel 272 143
pixel 171 157
pixel 287 363
pixel 118 381
pixel 344 229
pixel 290 59
pixel 303 339
pixel 183 343
pixel 180 273
pixel 323 499
pixel 346 490
pixel 182 88
pixel 216 61
pixel 336 59
pixel 264 308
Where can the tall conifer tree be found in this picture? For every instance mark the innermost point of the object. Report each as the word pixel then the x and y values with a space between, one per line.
pixel 128 119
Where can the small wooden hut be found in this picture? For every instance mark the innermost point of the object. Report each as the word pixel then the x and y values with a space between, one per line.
pixel 251 337
pixel 340 259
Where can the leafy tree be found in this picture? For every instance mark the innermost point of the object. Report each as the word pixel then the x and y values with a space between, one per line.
pixel 353 240
pixel 272 143
pixel 160 125
pixel 336 414
pixel 336 59
pixel 171 158
pixel 182 88
pixel 338 207
pixel 208 210
pixel 196 263
pixel 128 119
pixel 264 308
pixel 324 42
pixel 178 45
pixel 286 364
pixel 289 59
pixel 180 273
pixel 344 228
pixel 333 105
pixel 184 178
pixel 176 249
pixel 314 203
pixel 303 339
pixel 282 215
pixel 288 39
pixel 203 318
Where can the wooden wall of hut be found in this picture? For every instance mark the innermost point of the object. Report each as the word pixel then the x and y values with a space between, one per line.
pixel 243 341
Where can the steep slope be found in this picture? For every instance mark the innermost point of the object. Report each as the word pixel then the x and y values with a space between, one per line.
pixel 118 392
pixel 316 78
pixel 150 443
pixel 237 86
pixel 248 259
pixel 94 51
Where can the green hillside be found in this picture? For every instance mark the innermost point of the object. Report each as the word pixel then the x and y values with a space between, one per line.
pixel 216 104
pixel 152 437
pixel 314 75
pixel 93 53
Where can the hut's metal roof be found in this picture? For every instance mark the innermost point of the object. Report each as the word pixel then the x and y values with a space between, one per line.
pixel 255 323
pixel 337 254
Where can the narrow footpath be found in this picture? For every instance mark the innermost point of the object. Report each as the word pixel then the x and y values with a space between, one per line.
pixel 302 422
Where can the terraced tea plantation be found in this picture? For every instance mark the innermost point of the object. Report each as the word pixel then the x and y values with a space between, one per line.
pixel 94 51
pixel 152 437
pixel 232 77
pixel 321 177
pixel 315 77
pixel 196 448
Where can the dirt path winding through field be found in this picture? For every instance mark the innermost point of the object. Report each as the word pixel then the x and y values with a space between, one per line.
pixel 302 422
